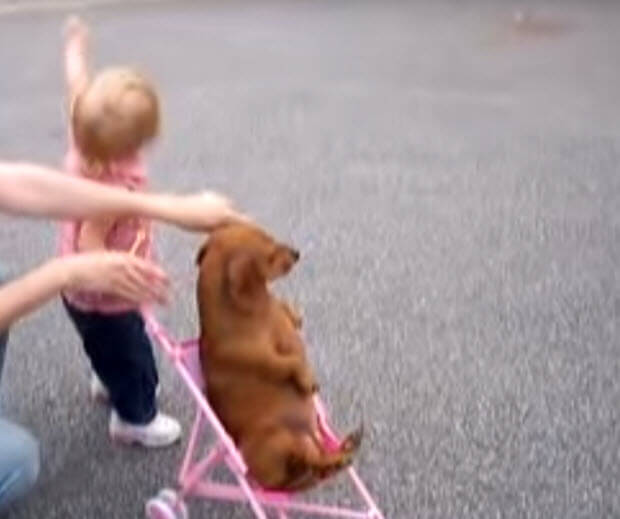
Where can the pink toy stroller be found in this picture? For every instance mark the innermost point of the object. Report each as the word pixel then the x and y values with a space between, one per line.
pixel 194 477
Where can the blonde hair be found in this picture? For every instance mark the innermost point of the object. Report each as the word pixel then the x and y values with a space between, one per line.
pixel 115 115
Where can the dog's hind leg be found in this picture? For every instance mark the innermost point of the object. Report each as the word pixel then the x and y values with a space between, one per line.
pixel 310 463
pixel 266 453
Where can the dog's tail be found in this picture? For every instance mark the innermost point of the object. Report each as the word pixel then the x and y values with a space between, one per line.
pixel 317 464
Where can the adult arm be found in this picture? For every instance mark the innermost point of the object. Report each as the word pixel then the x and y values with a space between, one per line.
pixel 38 191
pixel 121 274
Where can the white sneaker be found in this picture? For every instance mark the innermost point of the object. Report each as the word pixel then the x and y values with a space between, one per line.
pixel 162 431
pixel 100 394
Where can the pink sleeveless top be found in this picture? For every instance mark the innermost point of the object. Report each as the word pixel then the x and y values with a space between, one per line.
pixel 131 174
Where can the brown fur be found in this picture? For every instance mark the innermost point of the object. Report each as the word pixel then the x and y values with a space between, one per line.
pixel 259 381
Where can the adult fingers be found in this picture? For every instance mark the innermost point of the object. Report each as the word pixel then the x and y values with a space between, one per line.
pixel 145 280
pixel 124 275
pixel 142 278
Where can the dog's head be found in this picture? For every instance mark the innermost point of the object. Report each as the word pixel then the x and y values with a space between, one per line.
pixel 249 258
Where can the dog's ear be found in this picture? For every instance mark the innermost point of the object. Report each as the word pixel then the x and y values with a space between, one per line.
pixel 201 252
pixel 245 277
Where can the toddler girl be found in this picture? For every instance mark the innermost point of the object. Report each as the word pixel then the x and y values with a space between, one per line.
pixel 112 117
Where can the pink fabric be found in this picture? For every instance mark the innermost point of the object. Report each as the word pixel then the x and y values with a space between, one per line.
pixel 131 174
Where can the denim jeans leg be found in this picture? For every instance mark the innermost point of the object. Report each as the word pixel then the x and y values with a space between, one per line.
pixel 19 463
pixel 4 335
pixel 19 451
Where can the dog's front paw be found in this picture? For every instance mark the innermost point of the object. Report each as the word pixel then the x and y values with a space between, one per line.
pixel 297 318
pixel 294 314
pixel 307 382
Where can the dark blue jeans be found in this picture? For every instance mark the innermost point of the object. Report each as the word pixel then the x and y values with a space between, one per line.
pixel 4 339
pixel 121 355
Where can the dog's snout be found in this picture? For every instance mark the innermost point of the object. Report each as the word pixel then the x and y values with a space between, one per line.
pixel 296 254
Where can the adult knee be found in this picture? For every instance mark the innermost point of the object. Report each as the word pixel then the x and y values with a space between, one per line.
pixel 19 462
pixel 30 462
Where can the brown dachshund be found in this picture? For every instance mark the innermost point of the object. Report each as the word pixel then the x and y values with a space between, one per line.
pixel 259 381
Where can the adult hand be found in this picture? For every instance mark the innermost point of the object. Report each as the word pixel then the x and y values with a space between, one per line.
pixel 118 273
pixel 113 272
pixel 203 211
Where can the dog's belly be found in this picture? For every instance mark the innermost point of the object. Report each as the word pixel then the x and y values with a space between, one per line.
pixel 246 404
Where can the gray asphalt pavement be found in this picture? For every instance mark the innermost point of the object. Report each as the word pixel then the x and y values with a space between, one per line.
pixel 451 179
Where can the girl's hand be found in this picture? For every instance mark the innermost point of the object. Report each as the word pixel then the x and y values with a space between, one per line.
pixel 76 31
pixel 76 57
pixel 118 273
pixel 203 211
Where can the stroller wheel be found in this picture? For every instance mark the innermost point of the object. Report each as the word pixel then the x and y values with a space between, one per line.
pixel 158 509
pixel 172 498
pixel 166 506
